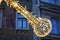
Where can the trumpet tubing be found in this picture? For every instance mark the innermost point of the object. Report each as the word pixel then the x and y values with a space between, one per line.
pixel 42 27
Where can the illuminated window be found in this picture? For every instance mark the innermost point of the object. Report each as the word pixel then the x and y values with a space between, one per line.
pixel 46 0
pixel 21 22
pixel 50 1
pixel 0 18
pixel 54 26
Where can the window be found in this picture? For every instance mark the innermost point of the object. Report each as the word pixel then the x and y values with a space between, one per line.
pixel 54 26
pixel 53 1
pixel 0 18
pixel 21 22
pixel 50 1
pixel 58 2
pixel 46 0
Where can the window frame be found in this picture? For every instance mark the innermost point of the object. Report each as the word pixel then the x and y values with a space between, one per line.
pixel 17 28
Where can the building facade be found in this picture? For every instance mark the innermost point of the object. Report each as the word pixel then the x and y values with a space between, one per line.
pixel 13 26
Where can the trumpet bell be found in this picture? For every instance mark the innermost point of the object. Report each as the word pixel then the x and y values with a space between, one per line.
pixel 43 28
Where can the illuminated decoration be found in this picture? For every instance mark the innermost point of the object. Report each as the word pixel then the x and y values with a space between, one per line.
pixel 42 26
pixel 0 2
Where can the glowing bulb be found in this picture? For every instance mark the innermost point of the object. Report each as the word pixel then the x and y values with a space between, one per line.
pixel 31 12
pixel 0 2
pixel 17 1
pixel 34 15
pixel 25 7
pixel 15 4
pixel 39 18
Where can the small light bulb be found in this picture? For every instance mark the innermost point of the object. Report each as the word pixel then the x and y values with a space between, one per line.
pixel 0 2
pixel 39 18
pixel 31 12
pixel 15 4
pixel 25 7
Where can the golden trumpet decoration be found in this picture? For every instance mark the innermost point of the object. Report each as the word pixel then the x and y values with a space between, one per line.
pixel 42 27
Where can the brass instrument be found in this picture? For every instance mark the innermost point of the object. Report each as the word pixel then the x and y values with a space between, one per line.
pixel 42 27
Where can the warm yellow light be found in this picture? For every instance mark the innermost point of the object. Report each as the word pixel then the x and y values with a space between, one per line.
pixel 0 2
pixel 15 4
